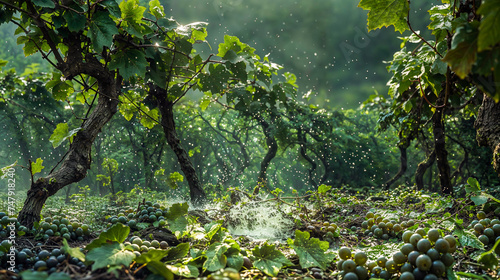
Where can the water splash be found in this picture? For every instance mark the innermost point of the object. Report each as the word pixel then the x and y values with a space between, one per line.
pixel 259 220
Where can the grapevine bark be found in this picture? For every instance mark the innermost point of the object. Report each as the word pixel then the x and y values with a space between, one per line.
pixel 488 128
pixel 196 192
pixel 75 165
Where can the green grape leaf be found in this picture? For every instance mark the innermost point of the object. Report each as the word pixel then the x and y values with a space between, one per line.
pixel 178 252
pixel 36 167
pixel 76 22
pixel 110 255
pixel 205 102
pixel 129 63
pixel 44 3
pixel 132 14
pixel 311 252
pixel 441 21
pixel 112 7
pixel 385 13
pixel 239 70
pixel 152 255
pixel 116 233
pixel 232 43
pixel 132 11
pixel 177 210
pixel 473 185
pixel 234 257
pixel 215 257
pixel 178 226
pixel 127 109
pixel 160 268
pixel 450 274
pixel 466 238
pixel 479 199
pixel 3 63
pixel 488 258
pixel 29 46
pixel 74 252
pixel 156 9
pixel 58 276
pixel 60 88
pixel 184 270
pixel 34 275
pixel 176 219
pixel 268 259
pixel 151 119
pixel 101 31
pixel 461 58
pixel 212 229
pixel 489 29
pixel 324 188
pixel 215 81
pixel 61 134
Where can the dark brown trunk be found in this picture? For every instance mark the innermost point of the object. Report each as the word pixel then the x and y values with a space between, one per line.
pixel 196 192
pixel 488 128
pixel 272 150
pixel 302 138
pixel 74 167
pixel 403 159
pixel 438 128
pixel 422 168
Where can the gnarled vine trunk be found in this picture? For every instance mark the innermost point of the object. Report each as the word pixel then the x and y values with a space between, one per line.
pixel 438 128
pixel 488 128
pixel 196 192
pixel 77 161
pixel 272 150
pixel 422 168
pixel 402 167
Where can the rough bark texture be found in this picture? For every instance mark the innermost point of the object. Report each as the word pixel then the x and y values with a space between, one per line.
pixel 440 148
pixel 198 196
pixel 272 150
pixel 402 167
pixel 488 128
pixel 74 167
pixel 422 168
pixel 302 138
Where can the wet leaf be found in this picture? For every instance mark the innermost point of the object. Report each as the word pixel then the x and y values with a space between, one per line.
pixel 129 63
pixel 36 167
pixel 110 255
pixel 466 238
pixel 215 257
pixel 101 30
pixel 324 188
pixel 74 252
pixel 152 255
pixel 488 258
pixel 178 252
pixel 268 259
pixel 160 268
pixel 61 134
pixel 116 233
pixel 311 252
pixel 386 13
pixel 184 270
pixel 44 3
pixel 489 29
